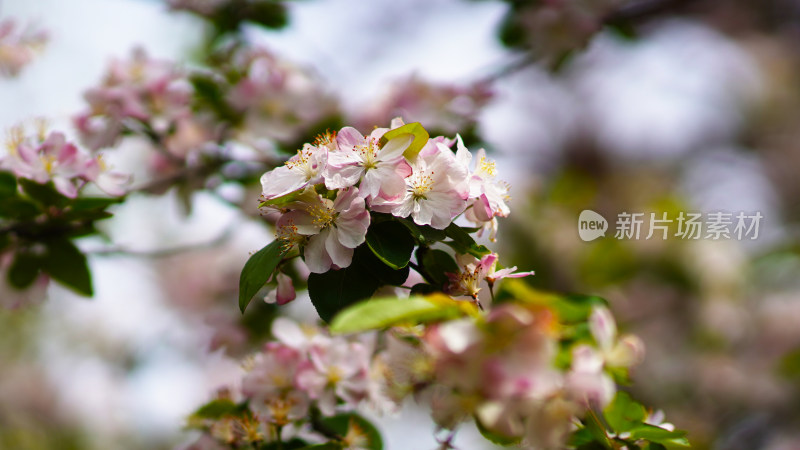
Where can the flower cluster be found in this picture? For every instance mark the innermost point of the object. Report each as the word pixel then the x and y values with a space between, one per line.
pixel 48 156
pixel 18 46
pixel 147 96
pixel 502 370
pixel 325 193
pixel 304 372
pixel 277 100
pixel 442 107
pixel 525 374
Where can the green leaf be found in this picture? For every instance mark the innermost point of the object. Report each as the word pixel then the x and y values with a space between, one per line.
pixel 386 312
pixel 597 430
pixel 660 435
pixel 789 365
pixel 308 194
pixel 341 424
pixel 324 446
pixel 44 194
pixel 623 413
pixel 89 209
pixel 496 438
pixel 270 14
pixel 15 207
pixel 8 184
pixel 463 243
pixel 571 309
pixel 424 234
pixel 5 241
pixel 374 267
pixel 24 270
pixel 414 131
pixel 423 289
pixel 437 263
pixel 391 243
pixel 655 446
pixel 334 290
pixel 216 409
pixel 578 307
pixel 94 203
pixel 209 93
pixel 580 437
pixel 67 265
pixel 257 271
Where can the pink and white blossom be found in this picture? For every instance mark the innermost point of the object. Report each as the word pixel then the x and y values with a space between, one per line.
pixel 333 228
pixel 474 271
pixel 487 196
pixel 493 275
pixel 381 170
pixel 301 170
pixel 434 192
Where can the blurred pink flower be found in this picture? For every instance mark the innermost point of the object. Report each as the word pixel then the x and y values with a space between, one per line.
pixel 279 100
pixel 50 157
pixel 339 369
pixel 441 107
pixel 142 95
pixel 270 385
pixel 586 382
pixel 18 46
pixel 623 351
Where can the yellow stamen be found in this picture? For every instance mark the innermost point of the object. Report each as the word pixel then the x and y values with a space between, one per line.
pixel 48 161
pixel 288 236
pixel 303 162
pixel 421 184
pixel 487 166
pixel 322 215
pixel 41 128
pixel 15 137
pixel 356 437
pixel 335 375
pixel 326 139
pixel 369 153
